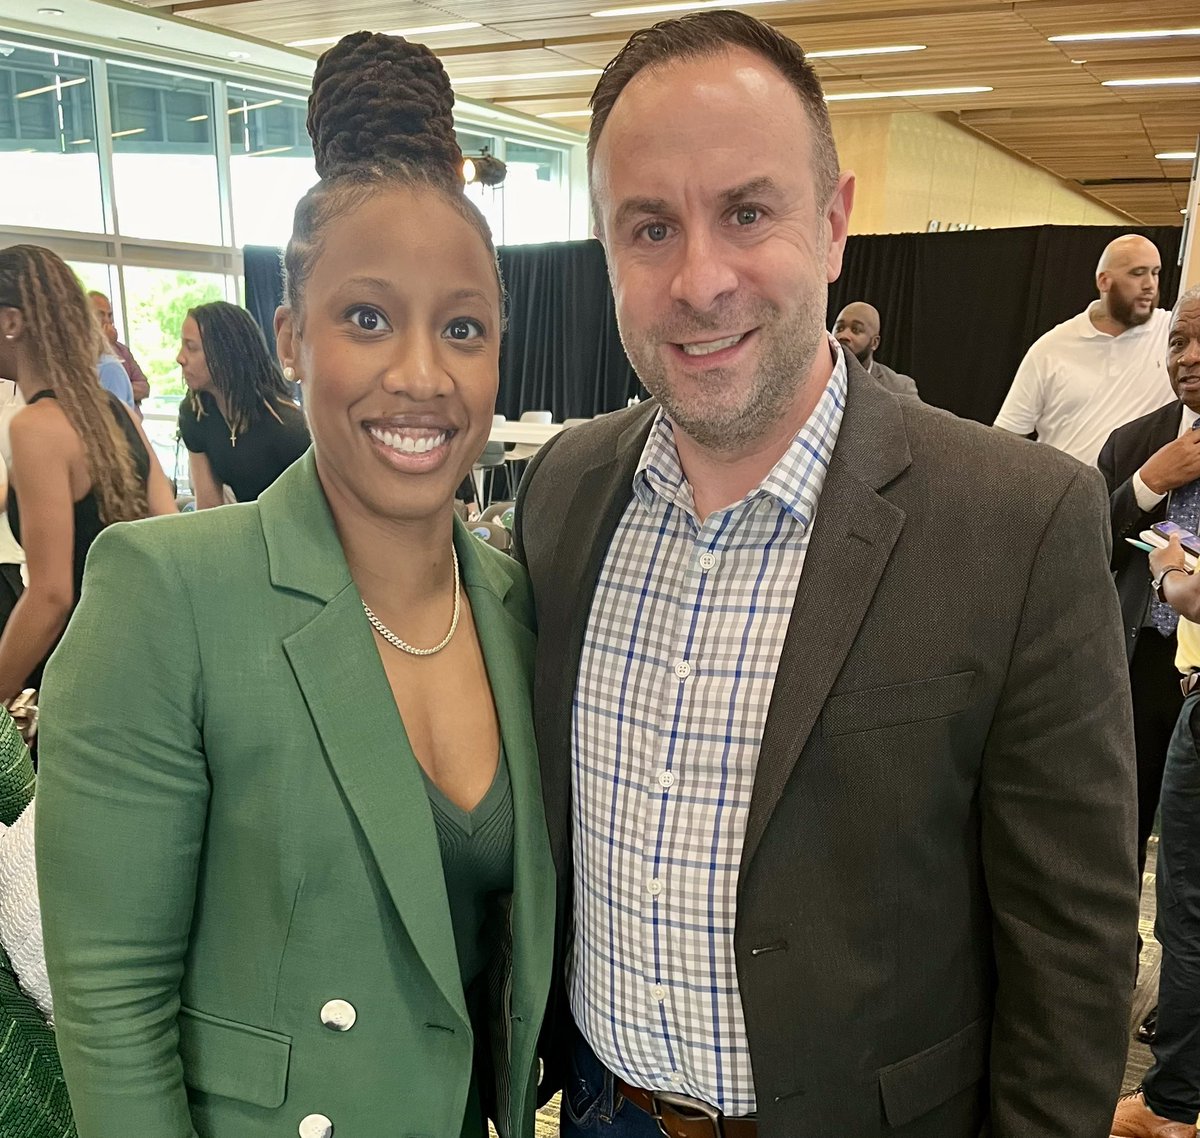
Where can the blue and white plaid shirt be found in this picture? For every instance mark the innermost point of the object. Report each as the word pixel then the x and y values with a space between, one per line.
pixel 675 678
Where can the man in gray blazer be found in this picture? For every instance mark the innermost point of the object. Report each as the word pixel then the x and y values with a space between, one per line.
pixel 831 697
pixel 857 329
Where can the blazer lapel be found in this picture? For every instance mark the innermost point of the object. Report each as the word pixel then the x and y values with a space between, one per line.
pixel 337 667
pixel 583 544
pixel 853 535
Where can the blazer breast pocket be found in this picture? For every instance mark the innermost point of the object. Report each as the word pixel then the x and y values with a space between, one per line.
pixel 893 705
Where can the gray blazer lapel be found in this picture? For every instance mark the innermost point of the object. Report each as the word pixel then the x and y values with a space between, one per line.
pixel 853 535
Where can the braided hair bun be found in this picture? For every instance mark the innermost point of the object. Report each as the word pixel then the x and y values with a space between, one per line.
pixel 381 101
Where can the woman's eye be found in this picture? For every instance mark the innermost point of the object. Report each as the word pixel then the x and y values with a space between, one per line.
pixel 464 329
pixel 368 319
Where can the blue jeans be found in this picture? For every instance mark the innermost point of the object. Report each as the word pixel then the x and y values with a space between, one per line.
pixel 591 1106
pixel 1172 1085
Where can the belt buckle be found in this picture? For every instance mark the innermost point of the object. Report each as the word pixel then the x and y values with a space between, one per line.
pixel 688 1109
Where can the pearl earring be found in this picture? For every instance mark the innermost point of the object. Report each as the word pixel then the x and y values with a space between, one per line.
pixel 289 373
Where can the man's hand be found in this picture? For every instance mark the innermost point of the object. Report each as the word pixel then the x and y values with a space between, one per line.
pixel 1169 556
pixel 1174 465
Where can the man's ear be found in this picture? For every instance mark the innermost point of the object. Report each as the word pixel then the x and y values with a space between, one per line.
pixel 837 217
pixel 875 341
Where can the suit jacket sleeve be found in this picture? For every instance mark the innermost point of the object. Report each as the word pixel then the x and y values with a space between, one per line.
pixel 1058 816
pixel 122 801
pixel 1127 517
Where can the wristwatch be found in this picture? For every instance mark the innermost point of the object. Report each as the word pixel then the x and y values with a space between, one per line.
pixel 1156 583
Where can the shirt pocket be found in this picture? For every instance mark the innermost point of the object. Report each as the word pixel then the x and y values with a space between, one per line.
pixel 893 705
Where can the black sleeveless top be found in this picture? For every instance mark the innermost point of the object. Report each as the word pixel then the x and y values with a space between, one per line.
pixel 87 510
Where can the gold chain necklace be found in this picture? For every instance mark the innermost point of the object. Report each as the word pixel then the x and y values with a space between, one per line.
pixel 403 645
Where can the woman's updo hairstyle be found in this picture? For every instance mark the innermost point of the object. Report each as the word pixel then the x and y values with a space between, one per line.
pixel 380 116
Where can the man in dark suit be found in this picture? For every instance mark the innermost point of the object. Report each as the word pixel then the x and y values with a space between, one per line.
pixel 830 697
pixel 857 329
pixel 1145 464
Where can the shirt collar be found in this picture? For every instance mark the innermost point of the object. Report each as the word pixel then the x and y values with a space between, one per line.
pixel 795 481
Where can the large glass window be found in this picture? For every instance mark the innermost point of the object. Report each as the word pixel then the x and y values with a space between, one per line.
pixel 164 156
pixel 271 163
pixel 536 206
pixel 49 165
pixel 157 301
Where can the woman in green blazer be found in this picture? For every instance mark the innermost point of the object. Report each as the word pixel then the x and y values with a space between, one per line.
pixel 293 864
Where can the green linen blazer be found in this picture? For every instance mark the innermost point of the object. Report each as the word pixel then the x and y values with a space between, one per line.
pixel 233 832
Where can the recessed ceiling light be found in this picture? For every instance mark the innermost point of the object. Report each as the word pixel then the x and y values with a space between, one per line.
pixel 1167 81
pixel 1176 156
pixel 407 33
pixel 1152 34
pixel 917 93
pixel 566 115
pixel 1079 61
pixel 48 88
pixel 846 52
pixel 529 75
pixel 50 12
pixel 652 9
pixel 239 55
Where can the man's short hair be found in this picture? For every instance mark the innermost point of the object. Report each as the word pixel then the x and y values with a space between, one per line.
pixel 701 34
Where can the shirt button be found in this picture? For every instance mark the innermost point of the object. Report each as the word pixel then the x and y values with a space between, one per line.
pixel 666 780
pixel 658 992
pixel 683 669
pixel 315 1126
pixel 707 561
pixel 654 887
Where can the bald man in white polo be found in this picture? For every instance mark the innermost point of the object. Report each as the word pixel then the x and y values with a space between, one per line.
pixel 1102 368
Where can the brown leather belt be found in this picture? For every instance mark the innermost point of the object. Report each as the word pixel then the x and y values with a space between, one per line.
pixel 679 1116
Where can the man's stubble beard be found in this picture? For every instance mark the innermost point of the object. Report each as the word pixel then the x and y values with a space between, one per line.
pixel 786 353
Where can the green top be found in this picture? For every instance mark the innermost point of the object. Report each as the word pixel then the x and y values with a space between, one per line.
pixel 477 860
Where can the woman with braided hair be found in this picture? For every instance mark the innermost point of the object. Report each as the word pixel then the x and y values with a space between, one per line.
pixel 80 460
pixel 238 421
pixel 293 860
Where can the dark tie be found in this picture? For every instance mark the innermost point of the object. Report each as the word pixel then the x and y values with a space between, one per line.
pixel 1184 510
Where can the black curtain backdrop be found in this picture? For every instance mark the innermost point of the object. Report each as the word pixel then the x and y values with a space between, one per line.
pixel 561 352
pixel 958 310
pixel 263 270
